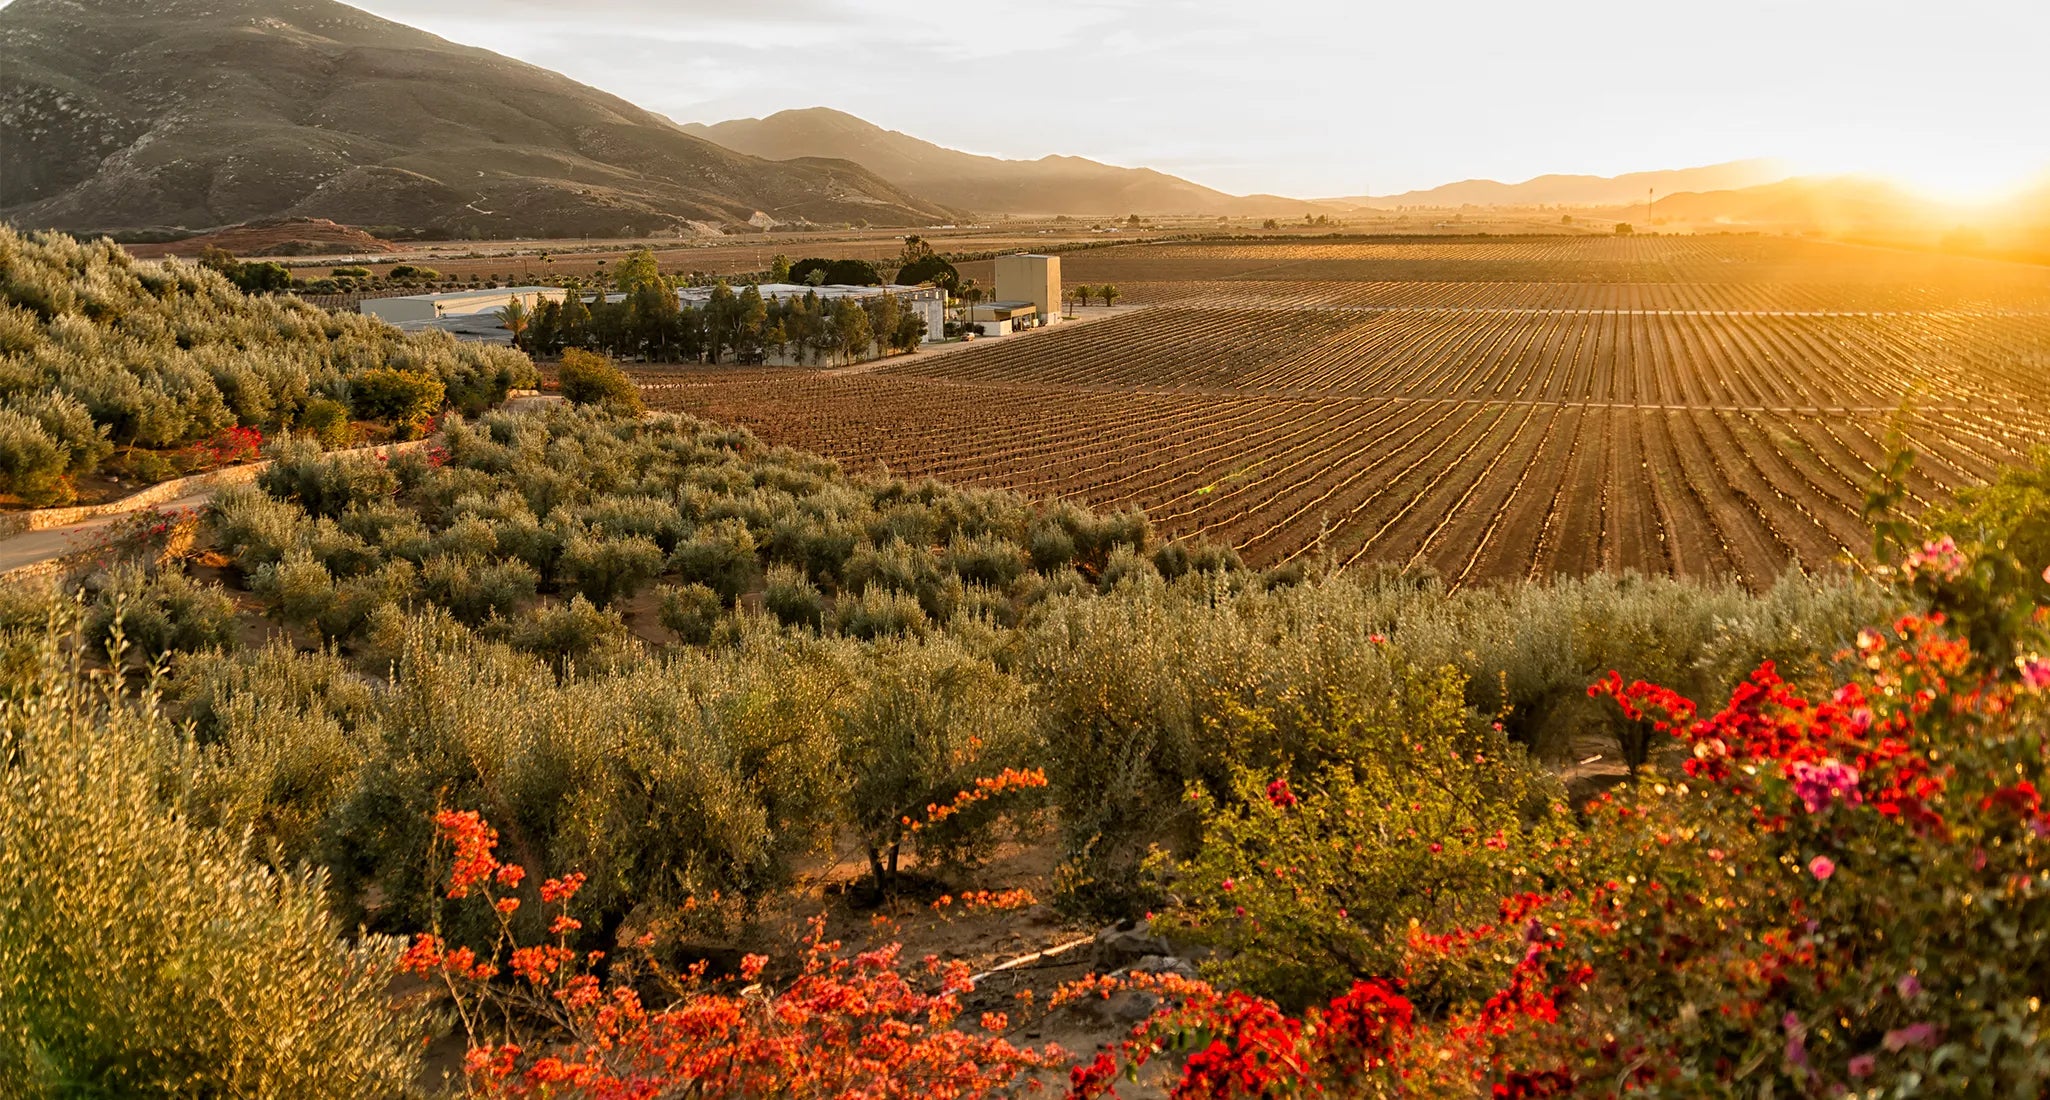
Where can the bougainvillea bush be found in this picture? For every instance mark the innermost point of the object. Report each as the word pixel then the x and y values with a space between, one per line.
pixel 1838 892
pixel 845 1025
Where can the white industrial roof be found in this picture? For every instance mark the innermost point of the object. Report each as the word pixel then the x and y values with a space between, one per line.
pixel 464 295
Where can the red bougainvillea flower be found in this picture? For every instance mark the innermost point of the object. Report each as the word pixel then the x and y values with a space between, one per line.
pixel 474 843
pixel 1280 795
pixel 1094 1079
pixel 562 889
pixel 1365 1022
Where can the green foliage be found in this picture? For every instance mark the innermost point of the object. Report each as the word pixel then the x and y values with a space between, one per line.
pixel 720 557
pixel 327 421
pixel 327 486
pixel 406 400
pixel 795 601
pixel 929 269
pixel 636 270
pixel 267 277
pixel 880 612
pixel 2000 539
pixel 477 589
pixel 606 569
pixel 46 438
pixel 589 379
pixel 836 272
pixel 693 611
pixel 142 954
pixel 1308 878
pixel 575 636
pixel 929 720
pixel 1154 687
pixel 159 613
pixel 661 782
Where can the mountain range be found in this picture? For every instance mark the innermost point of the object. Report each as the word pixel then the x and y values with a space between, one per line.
pixel 1570 190
pixel 1050 185
pixel 200 113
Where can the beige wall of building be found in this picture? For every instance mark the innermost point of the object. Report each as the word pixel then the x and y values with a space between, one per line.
pixel 1029 277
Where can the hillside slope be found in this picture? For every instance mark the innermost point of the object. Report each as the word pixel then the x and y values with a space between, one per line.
pixel 200 113
pixel 1827 203
pixel 990 185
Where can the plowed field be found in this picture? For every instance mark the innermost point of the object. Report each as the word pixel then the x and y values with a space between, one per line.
pixel 1494 408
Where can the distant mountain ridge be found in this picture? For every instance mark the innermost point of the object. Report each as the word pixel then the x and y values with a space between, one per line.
pixel 991 185
pixel 202 113
pixel 1574 190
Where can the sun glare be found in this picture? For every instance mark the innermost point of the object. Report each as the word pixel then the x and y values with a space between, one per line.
pixel 1957 180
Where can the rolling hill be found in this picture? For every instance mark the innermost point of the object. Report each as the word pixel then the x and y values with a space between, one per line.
pixel 989 185
pixel 202 113
pixel 1570 190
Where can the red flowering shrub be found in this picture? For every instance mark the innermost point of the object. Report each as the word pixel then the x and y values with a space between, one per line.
pixel 1239 1045
pixel 1839 892
pixel 226 447
pixel 861 1025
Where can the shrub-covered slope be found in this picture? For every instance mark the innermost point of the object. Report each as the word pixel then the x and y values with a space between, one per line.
pixel 99 350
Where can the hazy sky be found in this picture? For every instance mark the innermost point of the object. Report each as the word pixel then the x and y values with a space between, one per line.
pixel 1330 98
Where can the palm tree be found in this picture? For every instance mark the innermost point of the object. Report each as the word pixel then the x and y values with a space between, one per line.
pixel 1085 292
pixel 1108 293
pixel 514 318
pixel 967 294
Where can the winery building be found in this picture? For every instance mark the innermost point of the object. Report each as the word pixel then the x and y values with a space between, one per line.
pixel 1028 295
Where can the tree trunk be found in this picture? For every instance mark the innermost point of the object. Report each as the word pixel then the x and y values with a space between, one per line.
pixel 875 867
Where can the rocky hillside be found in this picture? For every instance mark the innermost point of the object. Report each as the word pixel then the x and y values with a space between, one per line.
pixel 201 113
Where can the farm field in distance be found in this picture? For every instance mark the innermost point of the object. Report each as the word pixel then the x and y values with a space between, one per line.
pixel 1493 407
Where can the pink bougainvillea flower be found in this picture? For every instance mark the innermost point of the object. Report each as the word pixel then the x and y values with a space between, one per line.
pixel 1863 1065
pixel 1937 557
pixel 1913 1035
pixel 1797 1039
pixel 1821 786
pixel 1822 867
pixel 2035 672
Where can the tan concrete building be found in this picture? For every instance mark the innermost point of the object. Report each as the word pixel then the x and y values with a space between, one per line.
pixel 1029 277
